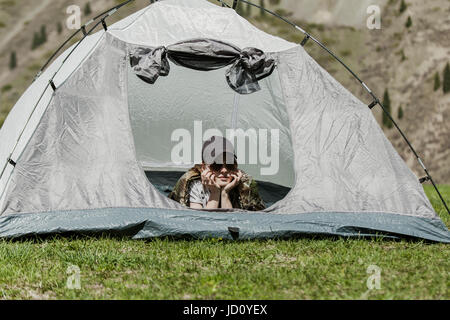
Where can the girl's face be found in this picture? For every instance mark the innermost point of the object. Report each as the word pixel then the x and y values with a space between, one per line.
pixel 223 176
pixel 223 173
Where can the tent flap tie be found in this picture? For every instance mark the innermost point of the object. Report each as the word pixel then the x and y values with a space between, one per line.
pixel 248 65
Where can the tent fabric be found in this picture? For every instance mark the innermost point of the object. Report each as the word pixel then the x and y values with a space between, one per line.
pixel 343 161
pixel 170 21
pixel 37 97
pixel 81 154
pixel 248 65
pixel 80 164
pixel 147 223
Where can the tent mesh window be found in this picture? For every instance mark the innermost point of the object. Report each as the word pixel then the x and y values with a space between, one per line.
pixel 171 118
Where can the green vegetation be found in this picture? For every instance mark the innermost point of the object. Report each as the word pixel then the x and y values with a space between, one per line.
pixel 43 34
pixel 13 61
pixel 283 12
pixel 402 55
pixel 408 23
pixel 346 53
pixel 446 82
pixel 6 88
pixel 437 81
pixel 387 105
pixel 59 27
pixel 403 6
pixel 262 4
pixel 240 9
pixel 309 268
pixel 36 41
pixel 400 113
pixel 39 38
pixel 87 9
pixel 248 11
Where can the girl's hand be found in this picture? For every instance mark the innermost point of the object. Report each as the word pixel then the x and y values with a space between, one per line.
pixel 209 181
pixel 233 184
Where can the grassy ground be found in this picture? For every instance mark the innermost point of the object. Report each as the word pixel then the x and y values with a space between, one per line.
pixel 112 268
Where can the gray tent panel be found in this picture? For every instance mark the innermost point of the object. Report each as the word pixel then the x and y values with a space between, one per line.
pixel 143 223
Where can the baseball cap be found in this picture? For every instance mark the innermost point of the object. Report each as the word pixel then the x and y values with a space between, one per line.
pixel 215 148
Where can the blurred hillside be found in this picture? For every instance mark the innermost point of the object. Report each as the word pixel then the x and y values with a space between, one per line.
pixel 403 59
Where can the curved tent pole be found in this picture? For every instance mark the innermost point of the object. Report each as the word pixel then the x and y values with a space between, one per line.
pixel 375 98
pixel 224 4
pixel 86 33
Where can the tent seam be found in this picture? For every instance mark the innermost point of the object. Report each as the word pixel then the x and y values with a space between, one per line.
pixel 291 133
pixel 223 212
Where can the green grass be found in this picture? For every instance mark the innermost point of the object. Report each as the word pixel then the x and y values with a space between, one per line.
pixel 113 268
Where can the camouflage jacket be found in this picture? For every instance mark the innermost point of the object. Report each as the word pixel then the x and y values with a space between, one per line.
pixel 245 196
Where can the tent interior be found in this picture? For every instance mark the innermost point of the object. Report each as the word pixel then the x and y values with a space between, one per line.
pixel 171 118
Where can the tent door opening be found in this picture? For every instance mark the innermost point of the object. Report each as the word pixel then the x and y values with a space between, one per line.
pixel 173 117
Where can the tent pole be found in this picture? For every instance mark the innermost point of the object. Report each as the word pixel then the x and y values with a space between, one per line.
pixel 224 4
pixel 375 98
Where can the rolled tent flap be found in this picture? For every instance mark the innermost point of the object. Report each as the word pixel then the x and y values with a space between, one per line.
pixel 248 65
pixel 150 64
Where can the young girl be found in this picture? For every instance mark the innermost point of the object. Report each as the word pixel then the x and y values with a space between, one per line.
pixel 217 182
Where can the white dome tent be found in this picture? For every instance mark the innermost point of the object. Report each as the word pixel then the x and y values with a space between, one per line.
pixel 88 145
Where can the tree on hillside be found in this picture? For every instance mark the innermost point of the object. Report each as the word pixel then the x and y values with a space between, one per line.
pixel 400 112
pixel 87 9
pixel 446 82
pixel 240 9
pixel 43 34
pixel 59 27
pixel 387 105
pixel 262 12
pixel 249 10
pixel 403 6
pixel 408 23
pixel 13 61
pixel 437 81
pixel 39 38
pixel 36 41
